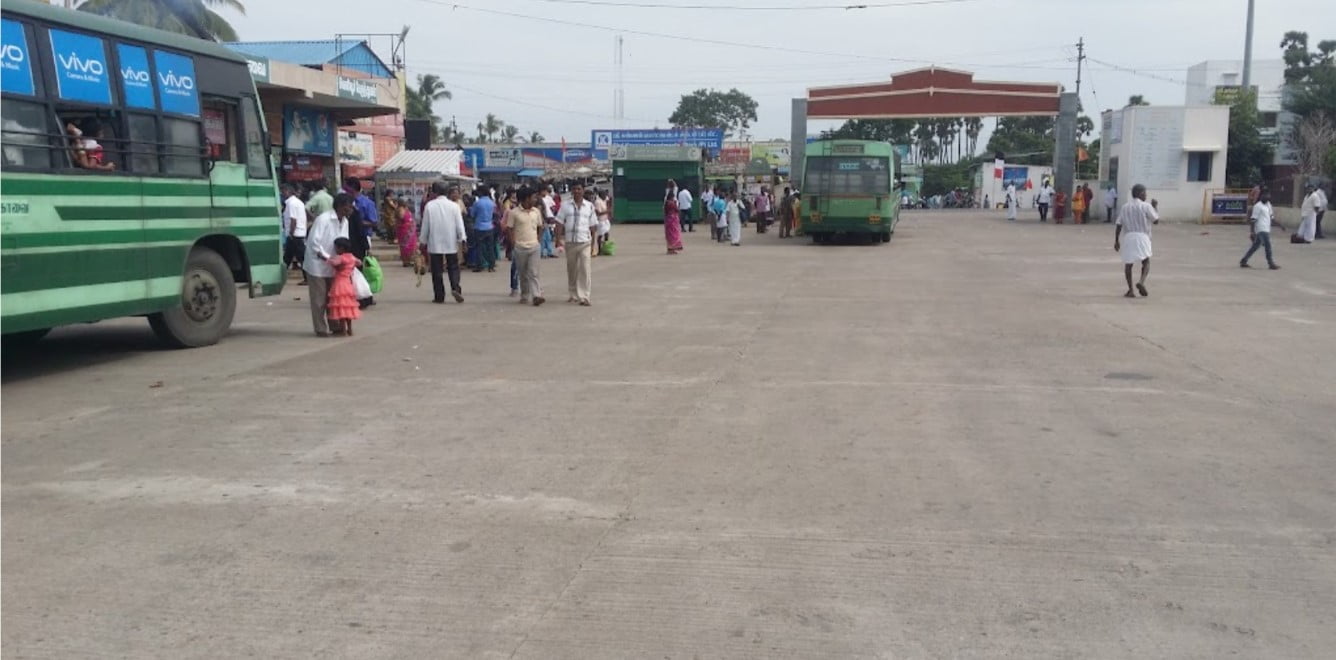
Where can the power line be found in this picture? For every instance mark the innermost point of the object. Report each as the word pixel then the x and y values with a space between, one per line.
pixel 841 7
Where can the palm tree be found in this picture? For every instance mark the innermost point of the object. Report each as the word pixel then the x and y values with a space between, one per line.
pixel 510 133
pixel 535 137
pixel 973 127
pixel 420 103
pixel 490 126
pixel 196 18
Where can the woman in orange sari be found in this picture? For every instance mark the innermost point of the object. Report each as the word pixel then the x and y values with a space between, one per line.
pixel 672 223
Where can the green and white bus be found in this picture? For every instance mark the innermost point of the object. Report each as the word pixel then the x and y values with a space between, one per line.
pixel 137 178
pixel 849 190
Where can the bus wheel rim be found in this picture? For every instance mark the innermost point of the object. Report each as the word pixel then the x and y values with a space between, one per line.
pixel 201 296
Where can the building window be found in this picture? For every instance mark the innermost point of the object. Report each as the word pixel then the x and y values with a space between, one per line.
pixel 1269 119
pixel 1199 165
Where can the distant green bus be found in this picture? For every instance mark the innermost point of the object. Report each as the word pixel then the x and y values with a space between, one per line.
pixel 163 211
pixel 849 189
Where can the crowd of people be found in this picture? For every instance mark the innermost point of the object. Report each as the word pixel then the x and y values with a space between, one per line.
pixel 726 212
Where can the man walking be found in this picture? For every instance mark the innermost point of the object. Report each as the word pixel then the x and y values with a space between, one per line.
pixel 684 209
pixel 441 237
pixel 320 238
pixel 786 214
pixel 579 222
pixel 320 200
pixel 1321 209
pixel 1012 203
pixel 1259 231
pixel 294 225
pixel 485 230
pixel 523 223
pixel 1045 198
pixel 1131 237
pixel 1307 230
pixel 1110 203
pixel 364 219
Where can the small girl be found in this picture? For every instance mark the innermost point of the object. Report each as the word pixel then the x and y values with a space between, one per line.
pixel 342 307
pixel 722 219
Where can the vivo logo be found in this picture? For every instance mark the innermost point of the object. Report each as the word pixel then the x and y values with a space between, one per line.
pixel 174 81
pixel 73 62
pixel 12 53
pixel 133 76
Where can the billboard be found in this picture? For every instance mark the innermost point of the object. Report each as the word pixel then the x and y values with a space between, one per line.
pixel 735 154
pixel 307 130
pixel 356 148
pixel 709 138
pixel 777 154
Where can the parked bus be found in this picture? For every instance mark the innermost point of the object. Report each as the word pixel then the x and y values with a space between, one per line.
pixel 849 189
pixel 137 178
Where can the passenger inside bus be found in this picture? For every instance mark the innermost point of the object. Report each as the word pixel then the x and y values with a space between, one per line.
pixel 85 150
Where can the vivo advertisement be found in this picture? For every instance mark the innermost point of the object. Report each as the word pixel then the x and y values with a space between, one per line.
pixel 81 68
pixel 136 80
pixel 15 63
pixel 176 83
pixel 307 131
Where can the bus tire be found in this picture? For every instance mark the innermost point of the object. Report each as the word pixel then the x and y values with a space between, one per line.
pixel 208 303
pixel 22 340
pixel 886 238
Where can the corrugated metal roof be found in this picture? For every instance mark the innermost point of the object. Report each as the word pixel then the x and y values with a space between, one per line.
pixel 437 161
pixel 352 54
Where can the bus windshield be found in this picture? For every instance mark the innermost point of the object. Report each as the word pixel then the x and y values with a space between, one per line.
pixel 848 175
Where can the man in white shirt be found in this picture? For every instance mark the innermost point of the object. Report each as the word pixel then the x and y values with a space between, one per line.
pixel 579 223
pixel 442 237
pixel 1307 230
pixel 1260 230
pixel 294 227
pixel 1045 198
pixel 1012 202
pixel 1131 237
pixel 1110 203
pixel 1321 210
pixel 546 244
pixel 326 227
pixel 684 208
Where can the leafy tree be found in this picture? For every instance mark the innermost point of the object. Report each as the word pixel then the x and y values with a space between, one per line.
pixel 420 103
pixel 1024 140
pixel 732 111
pixel 510 133
pixel 1136 99
pixel 489 127
pixel 196 18
pixel 536 137
pixel 894 131
pixel 941 179
pixel 1310 75
pixel 1248 152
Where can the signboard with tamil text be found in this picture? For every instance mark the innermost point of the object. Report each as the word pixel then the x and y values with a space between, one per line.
pixel 259 67
pixel 654 152
pixel 709 138
pixel 357 89
pixel 1229 205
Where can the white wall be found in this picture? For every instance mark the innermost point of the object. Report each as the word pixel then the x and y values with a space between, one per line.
pixel 1267 75
pixel 1156 141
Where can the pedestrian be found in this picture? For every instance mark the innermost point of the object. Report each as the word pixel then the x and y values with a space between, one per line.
pixel 522 225
pixel 734 211
pixel 1306 232
pixel 672 224
pixel 389 218
pixel 1259 230
pixel 684 202
pixel 795 211
pixel 324 230
pixel 1131 237
pixel 441 236
pixel 786 213
pixel 579 223
pixel 1089 197
pixel 483 213
pixel 320 201
pixel 718 214
pixel 547 243
pixel 405 225
pixel 1078 206
pixel 1110 203
pixel 342 304
pixel 1059 206
pixel 707 195
pixel 1045 199
pixel 762 207
pixel 603 209
pixel 1321 209
pixel 294 225
pixel 362 224
pixel 1012 202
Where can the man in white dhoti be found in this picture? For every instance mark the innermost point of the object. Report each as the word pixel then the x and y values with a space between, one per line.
pixel 1131 237
pixel 1012 202
pixel 1307 230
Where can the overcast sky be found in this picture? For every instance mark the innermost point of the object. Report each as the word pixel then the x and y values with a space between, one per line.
pixel 549 66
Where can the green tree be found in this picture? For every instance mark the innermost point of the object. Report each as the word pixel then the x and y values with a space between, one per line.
pixel 1024 140
pixel 941 179
pixel 732 111
pixel 894 131
pixel 489 127
pixel 510 133
pixel 1310 75
pixel 535 137
pixel 1136 99
pixel 1248 152
pixel 420 103
pixel 196 18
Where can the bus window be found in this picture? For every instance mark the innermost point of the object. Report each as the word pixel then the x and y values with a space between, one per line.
pixel 24 135
pixel 184 150
pixel 142 147
pixel 91 139
pixel 220 129
pixel 257 141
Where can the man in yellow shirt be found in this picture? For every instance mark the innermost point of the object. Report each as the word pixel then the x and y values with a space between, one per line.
pixel 523 223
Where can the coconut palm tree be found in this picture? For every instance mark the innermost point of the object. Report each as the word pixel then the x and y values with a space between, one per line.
pixel 510 133
pixel 490 126
pixel 420 103
pixel 535 137
pixel 196 18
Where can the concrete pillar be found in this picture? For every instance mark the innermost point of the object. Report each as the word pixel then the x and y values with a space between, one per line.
pixel 798 144
pixel 1064 134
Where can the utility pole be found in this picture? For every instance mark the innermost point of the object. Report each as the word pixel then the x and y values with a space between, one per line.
pixel 1247 50
pixel 1080 58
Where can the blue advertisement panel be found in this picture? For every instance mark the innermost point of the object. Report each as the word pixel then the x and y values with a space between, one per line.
pixel 1015 176
pixel 15 65
pixel 176 83
pixel 1229 204
pixel 81 67
pixel 709 138
pixel 136 80
pixel 307 131
pixel 475 158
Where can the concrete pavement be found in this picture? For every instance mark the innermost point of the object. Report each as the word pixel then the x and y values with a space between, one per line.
pixel 964 443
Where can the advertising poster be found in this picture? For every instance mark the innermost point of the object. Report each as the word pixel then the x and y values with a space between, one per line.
pixel 307 131
pixel 176 83
pixel 735 154
pixel 777 154
pixel 356 148
pixel 1016 176
pixel 81 67
pixel 16 62
pixel 136 81
pixel 215 131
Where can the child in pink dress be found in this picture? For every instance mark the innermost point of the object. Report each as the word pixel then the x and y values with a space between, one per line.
pixel 342 307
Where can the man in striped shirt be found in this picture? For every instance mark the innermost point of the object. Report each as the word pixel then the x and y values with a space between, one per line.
pixel 1131 237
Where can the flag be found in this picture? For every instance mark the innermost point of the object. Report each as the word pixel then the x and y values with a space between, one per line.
pixel 1082 155
pixel 997 168
pixel 1029 185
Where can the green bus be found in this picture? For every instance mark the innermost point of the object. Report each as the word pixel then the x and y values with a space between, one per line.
pixel 137 178
pixel 849 189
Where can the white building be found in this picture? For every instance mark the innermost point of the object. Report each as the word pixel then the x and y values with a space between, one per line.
pixel 1177 152
pixel 1268 78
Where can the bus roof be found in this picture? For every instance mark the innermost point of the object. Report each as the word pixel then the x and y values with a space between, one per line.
pixel 109 26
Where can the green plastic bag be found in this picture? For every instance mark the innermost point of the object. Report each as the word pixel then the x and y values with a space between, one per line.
pixel 374 276
pixel 608 248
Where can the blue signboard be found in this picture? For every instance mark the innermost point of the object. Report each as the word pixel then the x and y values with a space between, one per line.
pixel 709 138
pixel 475 157
pixel 81 67
pixel 176 83
pixel 1229 204
pixel 136 79
pixel 307 131
pixel 15 65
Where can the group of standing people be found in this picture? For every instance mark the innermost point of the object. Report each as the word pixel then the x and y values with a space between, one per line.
pixel 1263 216
pixel 1082 203
pixel 727 213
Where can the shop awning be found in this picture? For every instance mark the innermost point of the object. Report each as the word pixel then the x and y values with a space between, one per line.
pixel 529 173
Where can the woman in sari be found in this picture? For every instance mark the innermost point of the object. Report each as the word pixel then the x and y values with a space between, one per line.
pixel 672 223
pixel 407 230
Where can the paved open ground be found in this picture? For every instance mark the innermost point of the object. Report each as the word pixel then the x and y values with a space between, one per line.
pixel 965 443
